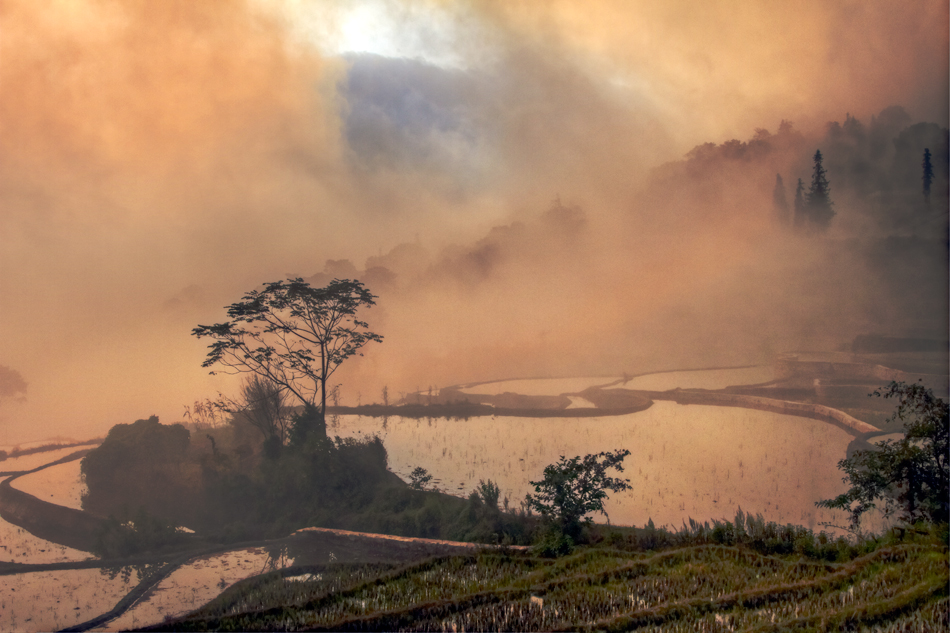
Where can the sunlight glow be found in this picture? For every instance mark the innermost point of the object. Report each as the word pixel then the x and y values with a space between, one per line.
pixel 427 33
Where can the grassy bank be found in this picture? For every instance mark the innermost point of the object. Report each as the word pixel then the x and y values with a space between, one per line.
pixel 602 587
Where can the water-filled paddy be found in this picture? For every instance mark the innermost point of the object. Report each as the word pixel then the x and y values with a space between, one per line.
pixel 703 379
pixel 60 484
pixel 54 600
pixel 693 461
pixel 539 386
pixel 686 461
pixel 19 546
pixel 192 585
pixel 35 460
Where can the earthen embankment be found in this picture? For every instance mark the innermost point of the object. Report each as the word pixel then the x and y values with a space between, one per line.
pixel 851 425
pixel 56 523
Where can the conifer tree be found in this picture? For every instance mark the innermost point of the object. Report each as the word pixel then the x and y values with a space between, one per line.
pixel 779 201
pixel 800 204
pixel 928 174
pixel 819 205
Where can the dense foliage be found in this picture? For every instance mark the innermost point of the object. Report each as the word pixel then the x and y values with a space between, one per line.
pixel 573 488
pixel 229 486
pixel 143 463
pixel 908 476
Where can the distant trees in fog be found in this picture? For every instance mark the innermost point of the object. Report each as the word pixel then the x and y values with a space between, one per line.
pixel 928 176
pixel 12 384
pixel 265 407
pixel 779 201
pixel 800 204
pixel 875 169
pixel 813 210
pixel 819 207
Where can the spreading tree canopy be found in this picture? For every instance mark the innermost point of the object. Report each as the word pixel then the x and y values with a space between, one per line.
pixel 292 335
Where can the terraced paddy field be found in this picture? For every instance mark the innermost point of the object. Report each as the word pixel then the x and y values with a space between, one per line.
pixel 897 587
pixel 695 461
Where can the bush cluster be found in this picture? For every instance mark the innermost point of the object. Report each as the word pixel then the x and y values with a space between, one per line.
pixel 232 485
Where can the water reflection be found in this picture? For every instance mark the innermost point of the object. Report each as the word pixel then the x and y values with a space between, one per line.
pixel 686 461
pixel 54 600
pixel 35 460
pixel 703 379
pixel 19 546
pixel 196 583
pixel 60 484
pixel 539 386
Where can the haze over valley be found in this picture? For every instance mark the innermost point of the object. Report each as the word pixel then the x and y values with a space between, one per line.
pixel 308 303
pixel 531 192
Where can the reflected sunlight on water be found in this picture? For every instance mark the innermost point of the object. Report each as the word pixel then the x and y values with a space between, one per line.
pixel 686 461
pixel 193 585
pixel 60 484
pixel 540 386
pixel 54 600
pixel 703 379
pixel 35 460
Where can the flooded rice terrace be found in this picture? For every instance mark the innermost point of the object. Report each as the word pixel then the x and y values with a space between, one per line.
pixel 686 461
pixel 53 600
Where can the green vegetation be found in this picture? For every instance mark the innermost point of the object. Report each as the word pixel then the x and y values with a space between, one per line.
pixel 928 176
pixel 910 476
pixel 272 468
pixel 150 478
pixel 569 491
pixel 614 585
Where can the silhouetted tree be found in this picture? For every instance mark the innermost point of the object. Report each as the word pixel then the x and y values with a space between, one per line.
pixel 928 177
pixel 575 487
pixel 910 475
pixel 489 492
pixel 294 336
pixel 419 478
pixel 779 201
pixel 264 406
pixel 819 206
pixel 800 204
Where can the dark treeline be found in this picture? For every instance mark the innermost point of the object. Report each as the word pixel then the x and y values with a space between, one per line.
pixel 228 485
pixel 888 169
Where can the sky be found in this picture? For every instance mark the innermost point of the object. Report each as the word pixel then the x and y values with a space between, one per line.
pixel 519 169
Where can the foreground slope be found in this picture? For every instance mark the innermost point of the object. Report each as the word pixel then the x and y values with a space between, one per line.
pixel 707 587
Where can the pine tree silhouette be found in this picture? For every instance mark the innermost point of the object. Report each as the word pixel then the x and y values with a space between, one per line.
pixel 819 206
pixel 800 204
pixel 779 201
pixel 928 174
